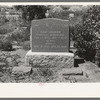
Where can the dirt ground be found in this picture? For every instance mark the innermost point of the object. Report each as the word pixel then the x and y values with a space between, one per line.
pixel 86 72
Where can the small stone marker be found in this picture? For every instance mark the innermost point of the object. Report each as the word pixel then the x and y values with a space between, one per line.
pixel 73 71
pixel 50 35
pixel 21 70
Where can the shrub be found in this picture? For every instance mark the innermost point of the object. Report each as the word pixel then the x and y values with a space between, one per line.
pixel 7 27
pixel 1 44
pixel 85 34
pixel 7 46
pixel 3 31
pixel 19 34
pixel 26 45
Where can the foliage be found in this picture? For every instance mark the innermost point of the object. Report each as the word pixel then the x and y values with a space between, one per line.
pixel 3 19
pixel 7 27
pixel 1 44
pixel 26 45
pixel 85 33
pixel 7 45
pixel 19 35
pixel 59 14
pixel 30 12
pixel 3 31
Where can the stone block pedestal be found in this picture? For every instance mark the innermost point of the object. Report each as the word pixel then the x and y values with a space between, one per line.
pixel 49 60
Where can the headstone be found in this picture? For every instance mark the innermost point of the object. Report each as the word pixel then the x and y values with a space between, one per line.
pixel 50 43
pixel 50 35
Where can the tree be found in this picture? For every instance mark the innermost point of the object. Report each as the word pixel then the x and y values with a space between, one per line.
pixel 30 12
pixel 85 33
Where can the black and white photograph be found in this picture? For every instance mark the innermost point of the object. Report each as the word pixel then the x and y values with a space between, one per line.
pixel 49 43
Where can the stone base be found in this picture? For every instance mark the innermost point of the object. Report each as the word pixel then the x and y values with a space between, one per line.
pixel 49 60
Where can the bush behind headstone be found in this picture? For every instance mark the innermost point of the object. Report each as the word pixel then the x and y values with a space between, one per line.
pixel 85 33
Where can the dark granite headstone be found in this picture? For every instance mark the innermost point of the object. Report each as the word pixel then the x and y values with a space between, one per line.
pixel 50 35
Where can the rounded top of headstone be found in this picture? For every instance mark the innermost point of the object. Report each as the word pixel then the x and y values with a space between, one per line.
pixel 55 19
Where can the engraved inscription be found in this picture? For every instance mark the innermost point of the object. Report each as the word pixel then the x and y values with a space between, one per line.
pixel 53 37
